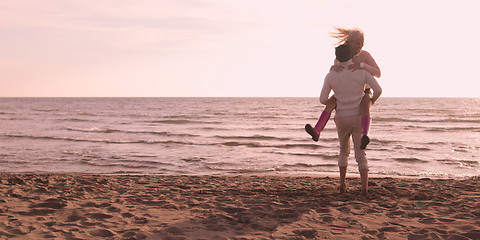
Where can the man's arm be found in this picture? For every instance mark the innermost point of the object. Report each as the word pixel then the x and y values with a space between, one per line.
pixel 325 90
pixel 377 90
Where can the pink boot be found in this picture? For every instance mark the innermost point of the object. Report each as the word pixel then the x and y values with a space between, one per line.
pixel 365 127
pixel 322 121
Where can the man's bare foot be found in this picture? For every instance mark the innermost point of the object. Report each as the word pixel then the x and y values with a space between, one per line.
pixel 343 188
pixel 364 192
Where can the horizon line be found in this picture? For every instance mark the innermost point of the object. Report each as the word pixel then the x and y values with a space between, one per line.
pixel 220 97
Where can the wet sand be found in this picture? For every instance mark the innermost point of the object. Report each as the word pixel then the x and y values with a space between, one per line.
pixel 74 206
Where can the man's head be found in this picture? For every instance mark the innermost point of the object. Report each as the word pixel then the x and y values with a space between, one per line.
pixel 342 53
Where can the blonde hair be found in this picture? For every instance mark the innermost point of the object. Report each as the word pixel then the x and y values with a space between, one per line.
pixel 346 35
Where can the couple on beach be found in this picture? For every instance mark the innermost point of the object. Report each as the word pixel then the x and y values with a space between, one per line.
pixel 351 78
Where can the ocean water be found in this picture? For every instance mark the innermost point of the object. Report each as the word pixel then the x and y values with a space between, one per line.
pixel 418 137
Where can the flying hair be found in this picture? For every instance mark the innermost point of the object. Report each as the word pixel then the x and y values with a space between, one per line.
pixel 346 34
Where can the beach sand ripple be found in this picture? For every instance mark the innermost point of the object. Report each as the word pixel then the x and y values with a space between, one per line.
pixel 75 206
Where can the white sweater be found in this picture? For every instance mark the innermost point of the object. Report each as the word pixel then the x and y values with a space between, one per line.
pixel 348 87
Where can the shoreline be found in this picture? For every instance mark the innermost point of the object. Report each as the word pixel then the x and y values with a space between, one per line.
pixel 265 174
pixel 254 206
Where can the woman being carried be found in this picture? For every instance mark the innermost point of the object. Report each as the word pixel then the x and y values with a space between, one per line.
pixel 354 39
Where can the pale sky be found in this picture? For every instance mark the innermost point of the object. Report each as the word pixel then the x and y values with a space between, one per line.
pixel 231 48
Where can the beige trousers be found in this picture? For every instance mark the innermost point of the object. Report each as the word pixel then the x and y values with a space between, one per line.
pixel 346 127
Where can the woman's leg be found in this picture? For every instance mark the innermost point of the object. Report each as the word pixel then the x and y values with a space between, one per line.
pixel 322 121
pixel 331 104
pixel 365 106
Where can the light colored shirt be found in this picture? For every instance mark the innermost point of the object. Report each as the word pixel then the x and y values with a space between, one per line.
pixel 348 88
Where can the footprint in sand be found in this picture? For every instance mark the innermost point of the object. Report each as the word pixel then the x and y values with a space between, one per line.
pixel 99 216
pixel 101 233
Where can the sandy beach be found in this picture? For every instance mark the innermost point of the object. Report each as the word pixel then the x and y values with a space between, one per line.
pixel 73 206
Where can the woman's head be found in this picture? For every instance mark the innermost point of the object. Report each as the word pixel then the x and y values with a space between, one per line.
pixel 353 38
